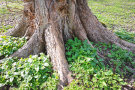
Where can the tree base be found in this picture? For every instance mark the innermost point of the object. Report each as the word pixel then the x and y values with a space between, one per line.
pixel 49 24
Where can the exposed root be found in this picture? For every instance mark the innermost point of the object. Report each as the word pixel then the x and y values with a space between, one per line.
pixel 32 47
pixel 81 33
pixel 96 32
pixel 126 45
pixel 79 29
pixel 56 50
pixel 19 29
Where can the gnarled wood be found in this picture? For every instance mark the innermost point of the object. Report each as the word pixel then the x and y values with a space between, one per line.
pixel 34 46
pixel 96 31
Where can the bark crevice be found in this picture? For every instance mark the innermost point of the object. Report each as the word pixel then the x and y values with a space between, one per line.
pixel 56 50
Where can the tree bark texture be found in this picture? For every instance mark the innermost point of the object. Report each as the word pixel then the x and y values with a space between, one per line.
pixel 50 23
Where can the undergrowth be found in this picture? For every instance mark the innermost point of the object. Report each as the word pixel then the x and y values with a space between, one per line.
pixel 8 45
pixel 92 72
pixel 4 28
pixel 118 59
pixel 88 68
pixel 33 73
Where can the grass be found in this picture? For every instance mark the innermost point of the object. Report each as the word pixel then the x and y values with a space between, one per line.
pixel 123 34
pixel 13 6
pixel 115 13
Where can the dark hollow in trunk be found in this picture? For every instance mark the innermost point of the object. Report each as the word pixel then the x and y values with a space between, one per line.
pixel 50 23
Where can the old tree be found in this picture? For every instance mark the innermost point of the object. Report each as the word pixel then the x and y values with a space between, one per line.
pixel 50 23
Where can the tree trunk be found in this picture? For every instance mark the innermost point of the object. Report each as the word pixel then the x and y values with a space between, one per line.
pixel 50 23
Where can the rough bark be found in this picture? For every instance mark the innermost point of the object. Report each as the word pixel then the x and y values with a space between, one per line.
pixel 96 32
pixel 56 49
pixel 33 47
pixel 19 29
pixel 50 23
